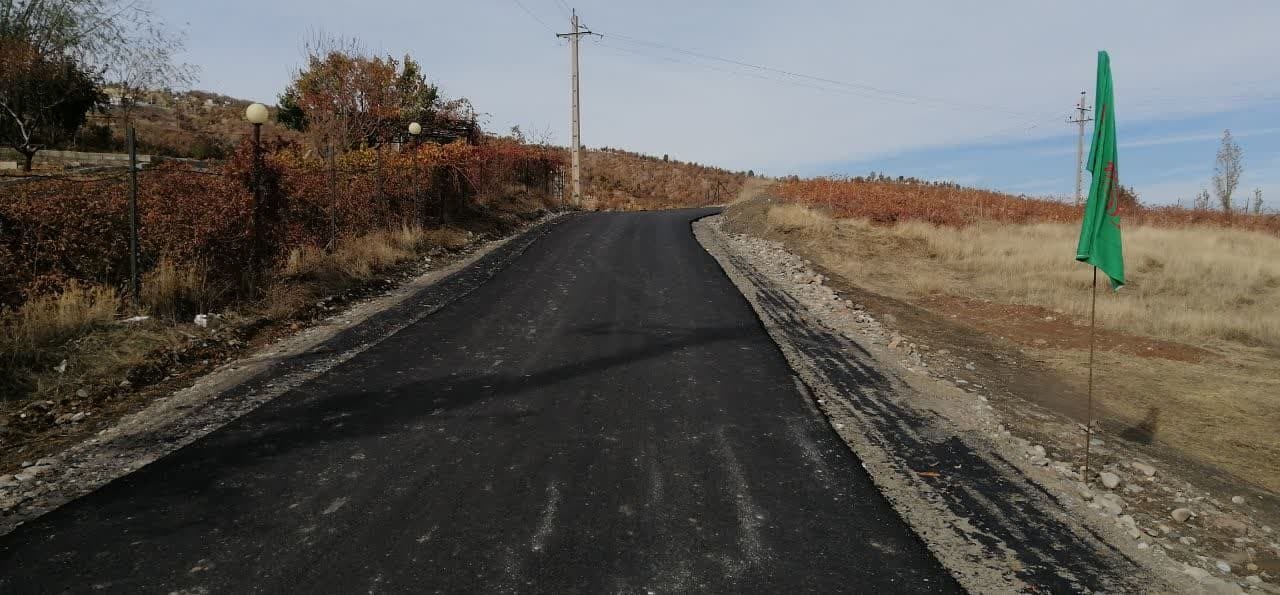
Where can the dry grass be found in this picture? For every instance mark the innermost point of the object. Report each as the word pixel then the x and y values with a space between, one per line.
pixel 310 272
pixel 624 181
pixel 178 292
pixel 49 320
pixel 1192 284
pixel 1187 284
pixel 1209 286
pixel 358 259
pixel 34 336
pixel 792 217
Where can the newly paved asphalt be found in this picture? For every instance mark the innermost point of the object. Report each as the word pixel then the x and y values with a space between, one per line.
pixel 605 414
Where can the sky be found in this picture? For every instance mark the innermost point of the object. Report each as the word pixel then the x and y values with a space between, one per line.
pixel 972 92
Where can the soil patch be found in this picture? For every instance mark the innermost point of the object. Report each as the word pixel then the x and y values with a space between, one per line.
pixel 1042 328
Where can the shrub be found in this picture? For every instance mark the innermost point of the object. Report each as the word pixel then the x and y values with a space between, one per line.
pixel 60 230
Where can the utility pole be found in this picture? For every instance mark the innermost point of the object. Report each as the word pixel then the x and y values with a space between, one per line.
pixel 575 150
pixel 1081 119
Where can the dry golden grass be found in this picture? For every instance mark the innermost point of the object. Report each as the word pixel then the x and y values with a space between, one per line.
pixel 793 217
pixel 48 320
pixel 177 292
pixel 1187 284
pixel 310 272
pixel 34 336
pixel 1191 284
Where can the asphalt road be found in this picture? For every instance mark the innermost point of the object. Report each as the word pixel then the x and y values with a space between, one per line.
pixel 606 414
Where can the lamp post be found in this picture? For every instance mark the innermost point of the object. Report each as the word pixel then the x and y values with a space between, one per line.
pixel 415 131
pixel 257 115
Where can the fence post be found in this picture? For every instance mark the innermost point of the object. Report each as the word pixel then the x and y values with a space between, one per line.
pixel 333 197
pixel 256 247
pixel 135 283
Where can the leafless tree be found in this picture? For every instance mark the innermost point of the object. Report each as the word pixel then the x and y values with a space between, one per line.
pixel 147 63
pixel 120 42
pixel 1226 174
pixel 1201 201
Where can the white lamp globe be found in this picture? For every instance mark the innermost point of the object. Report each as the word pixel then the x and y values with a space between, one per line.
pixel 256 113
pixel 415 129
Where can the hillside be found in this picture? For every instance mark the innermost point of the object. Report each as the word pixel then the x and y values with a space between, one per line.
pixel 621 180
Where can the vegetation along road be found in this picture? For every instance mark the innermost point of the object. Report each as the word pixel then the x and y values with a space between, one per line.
pixel 605 414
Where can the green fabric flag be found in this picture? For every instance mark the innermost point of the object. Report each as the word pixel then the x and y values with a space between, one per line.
pixel 1100 231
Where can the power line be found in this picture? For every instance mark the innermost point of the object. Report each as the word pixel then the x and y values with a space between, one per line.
pixel 883 92
pixel 534 16
pixel 752 75
pixel 567 10
pixel 1025 126
pixel 1029 123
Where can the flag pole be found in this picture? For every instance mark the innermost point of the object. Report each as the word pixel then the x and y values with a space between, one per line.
pixel 1088 422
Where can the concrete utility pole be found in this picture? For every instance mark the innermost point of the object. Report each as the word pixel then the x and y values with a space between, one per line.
pixel 1081 120
pixel 575 150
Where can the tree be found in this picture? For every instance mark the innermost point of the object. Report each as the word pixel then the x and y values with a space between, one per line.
pixel 346 98
pixel 1226 174
pixel 1257 201
pixel 43 99
pixel 341 98
pixel 88 31
pixel 418 99
pixel 146 64
pixel 119 41
pixel 1201 201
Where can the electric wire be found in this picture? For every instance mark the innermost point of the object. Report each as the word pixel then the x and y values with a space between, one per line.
pixel 534 16
pixel 1028 123
pixel 799 75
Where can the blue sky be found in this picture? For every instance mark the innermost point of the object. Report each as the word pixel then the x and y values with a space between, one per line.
pixel 975 92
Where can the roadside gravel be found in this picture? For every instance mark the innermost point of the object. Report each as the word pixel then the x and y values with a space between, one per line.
pixel 1003 513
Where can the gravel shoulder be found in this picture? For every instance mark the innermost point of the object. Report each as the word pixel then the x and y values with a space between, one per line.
pixel 240 386
pixel 996 508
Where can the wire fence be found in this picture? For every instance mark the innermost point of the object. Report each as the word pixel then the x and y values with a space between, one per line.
pixel 60 227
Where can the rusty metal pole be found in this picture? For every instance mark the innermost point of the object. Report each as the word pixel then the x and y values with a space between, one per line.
pixel 135 281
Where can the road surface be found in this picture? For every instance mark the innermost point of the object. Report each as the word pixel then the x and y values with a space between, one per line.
pixel 606 414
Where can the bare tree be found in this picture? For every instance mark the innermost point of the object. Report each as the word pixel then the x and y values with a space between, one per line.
pixel 118 42
pixel 1257 201
pixel 1226 174
pixel 1201 201
pixel 147 63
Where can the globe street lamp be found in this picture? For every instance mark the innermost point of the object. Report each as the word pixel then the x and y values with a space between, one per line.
pixel 257 115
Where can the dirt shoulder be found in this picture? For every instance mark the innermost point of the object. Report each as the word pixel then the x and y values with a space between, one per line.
pixel 200 398
pixel 948 422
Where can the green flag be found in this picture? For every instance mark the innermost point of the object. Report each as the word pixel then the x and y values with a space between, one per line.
pixel 1100 231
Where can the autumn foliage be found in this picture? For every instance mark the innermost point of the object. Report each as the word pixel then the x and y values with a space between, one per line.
pixel 885 200
pixel 57 231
